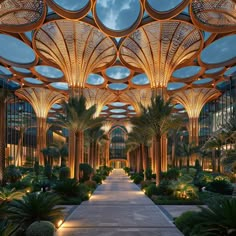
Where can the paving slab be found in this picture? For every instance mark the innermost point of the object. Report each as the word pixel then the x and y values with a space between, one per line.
pixel 118 207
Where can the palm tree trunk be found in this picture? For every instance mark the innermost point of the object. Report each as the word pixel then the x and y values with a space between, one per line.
pixel 144 158
pixel 214 160
pixel 173 153
pixel 138 159
pixel 188 157
pixel 19 149
pixel 157 156
pixel 2 138
pixel 77 155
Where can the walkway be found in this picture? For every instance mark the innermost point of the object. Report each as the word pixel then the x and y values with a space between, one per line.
pixel 118 208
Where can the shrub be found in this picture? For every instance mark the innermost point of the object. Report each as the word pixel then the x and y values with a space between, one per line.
pixel 12 174
pixel 48 171
pixel 64 173
pixel 148 173
pixel 91 184
pixel 217 219
pixel 220 186
pixel 33 207
pixel 67 188
pixel 197 166
pixel 7 195
pixel 126 169
pixel 86 170
pixel 145 183
pixel 172 174
pixel 202 179
pixel 138 179
pixel 40 228
pixel 151 190
pixel 186 222
pixel 97 178
pixel 183 190
pixel 186 178
pixel 164 188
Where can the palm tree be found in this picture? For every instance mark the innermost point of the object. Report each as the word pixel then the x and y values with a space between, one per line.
pixel 157 116
pixel 216 143
pixel 174 134
pixel 188 149
pixel 77 119
pixel 140 136
pixel 35 207
pixel 95 136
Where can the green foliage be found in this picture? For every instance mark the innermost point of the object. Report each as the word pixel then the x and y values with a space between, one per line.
pixel 164 188
pixel 220 186
pixel 36 168
pixel 71 188
pixel 148 173
pixel 40 228
pixel 12 174
pixel 48 171
pixel 145 183
pixel 197 166
pixel 202 179
pixel 64 173
pixel 183 190
pixel 86 170
pixel 8 195
pixel 151 190
pixel 97 178
pixel 172 174
pixel 138 179
pixel 187 178
pixel 91 184
pixel 187 222
pixel 34 207
pixel 216 219
pixel 127 169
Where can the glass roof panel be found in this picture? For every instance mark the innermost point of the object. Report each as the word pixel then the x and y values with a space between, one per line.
pixel 163 5
pixel 5 71
pixel 49 72
pixel 33 81
pixel 117 86
pixel 60 85
pixel 118 116
pixel 117 110
pixel 174 86
pixel 29 35
pixel 131 108
pixel 95 79
pixel 214 70
pixel 21 70
pixel 179 106
pixel 56 106
pixel 203 81
pixel 105 108
pixel 230 71
pixel 72 5
pixel 140 79
pixel 225 48
pixel 12 49
pixel 118 14
pixel 117 72
pixel 186 72
pixel 118 104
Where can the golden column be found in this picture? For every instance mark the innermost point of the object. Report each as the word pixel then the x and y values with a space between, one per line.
pixel 157 48
pixel 79 49
pixel 193 101
pixel 41 100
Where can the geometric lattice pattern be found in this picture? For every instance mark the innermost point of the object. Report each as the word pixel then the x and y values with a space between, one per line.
pixel 214 16
pixel 159 47
pixel 76 47
pixel 21 15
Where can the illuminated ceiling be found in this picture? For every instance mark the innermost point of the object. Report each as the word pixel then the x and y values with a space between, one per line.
pixel 118 49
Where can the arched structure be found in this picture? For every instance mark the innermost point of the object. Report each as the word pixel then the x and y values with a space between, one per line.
pixel 41 100
pixel 193 100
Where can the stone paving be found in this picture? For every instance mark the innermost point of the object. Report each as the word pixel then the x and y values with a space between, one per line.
pixel 118 208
